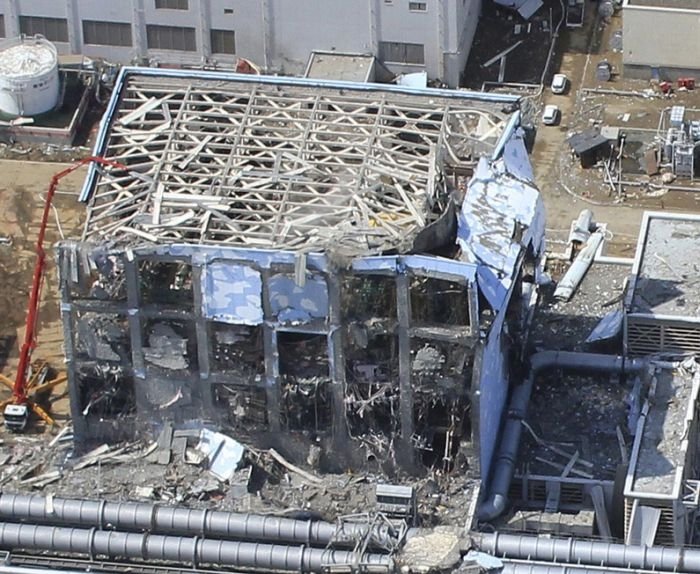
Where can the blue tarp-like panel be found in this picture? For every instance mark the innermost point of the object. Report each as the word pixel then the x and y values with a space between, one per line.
pixel 292 303
pixel 232 293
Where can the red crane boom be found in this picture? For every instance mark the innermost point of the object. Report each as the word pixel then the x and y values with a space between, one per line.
pixel 21 387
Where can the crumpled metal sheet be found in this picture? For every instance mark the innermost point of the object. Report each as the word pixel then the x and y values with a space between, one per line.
pixel 234 293
pixel 501 215
pixel 516 158
pixel 527 9
pixel 607 328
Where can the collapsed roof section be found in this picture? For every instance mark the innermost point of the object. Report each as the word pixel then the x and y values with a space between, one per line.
pixel 501 217
pixel 282 163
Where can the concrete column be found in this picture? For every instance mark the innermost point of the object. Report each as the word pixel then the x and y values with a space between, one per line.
pixel 132 297
pixel 203 347
pixel 138 28
pixel 272 378
pixel 440 37
pixel 267 25
pixel 272 365
pixel 205 29
pixel 373 22
pixel 403 306
pixel 473 295
pixel 75 36
pixel 79 423
pixel 336 354
pixel 11 18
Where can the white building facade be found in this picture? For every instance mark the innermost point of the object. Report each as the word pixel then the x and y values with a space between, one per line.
pixel 661 38
pixel 433 35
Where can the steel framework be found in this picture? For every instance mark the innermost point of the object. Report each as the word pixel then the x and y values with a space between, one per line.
pixel 282 166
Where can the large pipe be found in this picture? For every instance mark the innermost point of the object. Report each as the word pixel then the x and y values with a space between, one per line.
pixel 18 569
pixel 143 517
pixel 504 464
pixel 180 550
pixel 530 567
pixel 590 552
pixel 578 269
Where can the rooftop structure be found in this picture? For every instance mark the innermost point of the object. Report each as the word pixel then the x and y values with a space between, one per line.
pixel 345 67
pixel 663 303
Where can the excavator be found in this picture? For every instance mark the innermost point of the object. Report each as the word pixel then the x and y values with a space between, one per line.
pixel 32 380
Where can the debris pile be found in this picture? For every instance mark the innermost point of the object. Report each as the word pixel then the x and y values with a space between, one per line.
pixel 201 468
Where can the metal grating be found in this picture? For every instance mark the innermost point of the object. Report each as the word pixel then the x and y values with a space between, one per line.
pixel 664 532
pixel 646 337
pixel 535 493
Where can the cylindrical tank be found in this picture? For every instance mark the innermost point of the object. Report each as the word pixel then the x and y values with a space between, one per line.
pixel 29 82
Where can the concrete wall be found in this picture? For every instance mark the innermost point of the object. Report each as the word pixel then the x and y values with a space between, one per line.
pixel 666 38
pixel 276 34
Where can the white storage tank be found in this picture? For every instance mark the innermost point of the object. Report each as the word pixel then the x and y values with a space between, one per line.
pixel 29 81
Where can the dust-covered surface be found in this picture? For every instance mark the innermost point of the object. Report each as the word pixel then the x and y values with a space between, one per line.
pixel 571 414
pixel 565 326
pixel 662 452
pixel 179 475
pixel 434 550
pixel 669 273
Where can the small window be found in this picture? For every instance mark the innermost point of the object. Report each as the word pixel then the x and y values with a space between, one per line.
pixel 54 29
pixel 223 42
pixel 228 10
pixel 417 6
pixel 172 4
pixel 171 38
pixel 2 25
pixel 401 53
pixel 106 33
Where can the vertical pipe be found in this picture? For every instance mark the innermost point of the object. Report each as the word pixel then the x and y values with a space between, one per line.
pixel 403 306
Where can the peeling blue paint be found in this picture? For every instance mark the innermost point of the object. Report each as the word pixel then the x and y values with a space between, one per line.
pixel 292 303
pixel 233 294
pixel 418 264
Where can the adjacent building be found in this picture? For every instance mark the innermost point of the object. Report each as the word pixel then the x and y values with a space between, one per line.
pixel 663 302
pixel 661 38
pixel 278 35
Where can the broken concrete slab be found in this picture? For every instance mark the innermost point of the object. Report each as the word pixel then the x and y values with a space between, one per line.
pixel 223 453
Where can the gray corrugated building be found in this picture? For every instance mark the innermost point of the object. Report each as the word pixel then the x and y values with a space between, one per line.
pixel 278 35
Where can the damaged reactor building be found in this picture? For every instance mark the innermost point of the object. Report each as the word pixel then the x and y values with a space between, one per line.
pixel 305 264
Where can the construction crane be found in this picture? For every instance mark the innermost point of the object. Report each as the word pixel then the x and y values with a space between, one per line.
pixel 32 379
